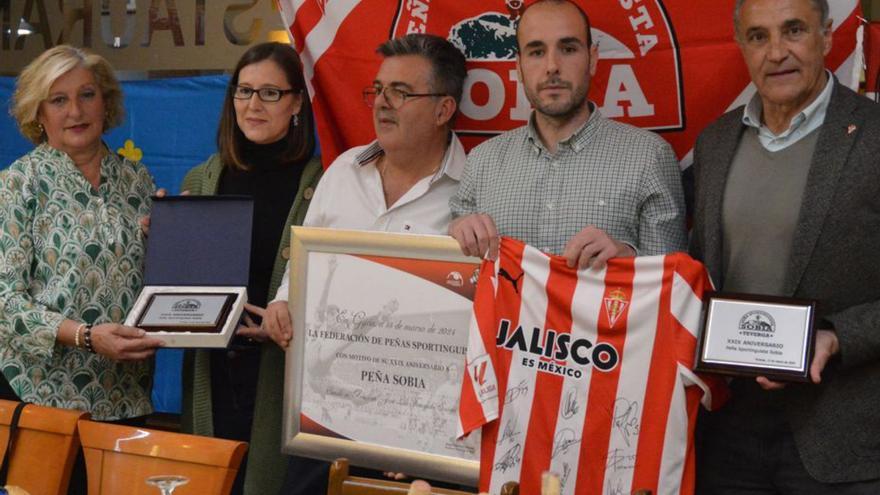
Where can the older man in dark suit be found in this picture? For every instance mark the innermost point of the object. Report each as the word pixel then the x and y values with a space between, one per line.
pixel 788 203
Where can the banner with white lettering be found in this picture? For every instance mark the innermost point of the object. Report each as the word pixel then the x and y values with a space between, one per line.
pixel 671 66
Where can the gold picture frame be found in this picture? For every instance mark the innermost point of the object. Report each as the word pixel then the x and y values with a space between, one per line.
pixel 395 369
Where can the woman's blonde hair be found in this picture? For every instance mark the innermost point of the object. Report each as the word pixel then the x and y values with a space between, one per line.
pixel 35 81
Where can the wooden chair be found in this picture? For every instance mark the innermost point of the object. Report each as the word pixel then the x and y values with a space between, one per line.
pixel 343 484
pixel 120 458
pixel 45 448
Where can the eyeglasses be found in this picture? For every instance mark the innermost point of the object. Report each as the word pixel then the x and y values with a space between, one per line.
pixel 395 97
pixel 268 95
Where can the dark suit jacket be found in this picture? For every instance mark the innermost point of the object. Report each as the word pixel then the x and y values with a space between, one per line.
pixel 835 259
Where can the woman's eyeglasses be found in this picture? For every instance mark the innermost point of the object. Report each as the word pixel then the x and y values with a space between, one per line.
pixel 267 95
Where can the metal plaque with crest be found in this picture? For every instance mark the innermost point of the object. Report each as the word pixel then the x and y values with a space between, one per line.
pixel 186 312
pixel 755 335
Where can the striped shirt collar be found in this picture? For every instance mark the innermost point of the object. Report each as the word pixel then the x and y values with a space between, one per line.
pixel 578 139
pixel 806 121
pixel 453 160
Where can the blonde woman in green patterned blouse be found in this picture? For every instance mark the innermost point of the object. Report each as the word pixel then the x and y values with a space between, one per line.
pixel 71 248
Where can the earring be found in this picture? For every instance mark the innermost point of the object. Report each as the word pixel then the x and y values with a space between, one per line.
pixel 295 120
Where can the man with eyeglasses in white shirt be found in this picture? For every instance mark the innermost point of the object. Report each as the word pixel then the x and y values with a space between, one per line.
pixel 401 182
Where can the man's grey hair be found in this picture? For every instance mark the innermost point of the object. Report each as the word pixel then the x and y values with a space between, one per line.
pixel 821 6
pixel 447 61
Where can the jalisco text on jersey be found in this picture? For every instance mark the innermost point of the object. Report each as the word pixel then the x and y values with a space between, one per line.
pixel 551 344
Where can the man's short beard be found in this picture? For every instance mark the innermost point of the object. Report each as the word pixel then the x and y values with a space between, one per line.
pixel 554 111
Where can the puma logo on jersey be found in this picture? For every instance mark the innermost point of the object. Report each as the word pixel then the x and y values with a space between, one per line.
pixel 514 281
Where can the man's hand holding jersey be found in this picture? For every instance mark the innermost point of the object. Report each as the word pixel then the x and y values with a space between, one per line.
pixel 478 236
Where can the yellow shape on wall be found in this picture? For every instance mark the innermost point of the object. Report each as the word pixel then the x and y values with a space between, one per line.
pixel 130 152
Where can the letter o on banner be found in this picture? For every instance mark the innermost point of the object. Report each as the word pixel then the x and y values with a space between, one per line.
pixel 493 105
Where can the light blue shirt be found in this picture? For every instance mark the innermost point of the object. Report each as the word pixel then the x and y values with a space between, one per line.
pixel 808 120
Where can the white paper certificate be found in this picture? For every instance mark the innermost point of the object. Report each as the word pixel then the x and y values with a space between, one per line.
pixel 384 359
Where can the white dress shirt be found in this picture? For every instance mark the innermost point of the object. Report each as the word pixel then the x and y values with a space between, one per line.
pixel 350 196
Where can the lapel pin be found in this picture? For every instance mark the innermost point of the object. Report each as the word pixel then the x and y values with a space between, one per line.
pixel 851 129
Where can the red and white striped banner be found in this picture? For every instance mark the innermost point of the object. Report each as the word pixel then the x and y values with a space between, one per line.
pixel 667 65
pixel 872 60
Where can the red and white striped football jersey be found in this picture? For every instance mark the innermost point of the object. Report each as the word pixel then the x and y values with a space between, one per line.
pixel 586 373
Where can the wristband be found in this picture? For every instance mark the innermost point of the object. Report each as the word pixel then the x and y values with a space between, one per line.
pixel 87 339
pixel 76 335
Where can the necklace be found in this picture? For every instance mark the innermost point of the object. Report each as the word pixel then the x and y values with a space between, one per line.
pixel 384 167
pixel 393 192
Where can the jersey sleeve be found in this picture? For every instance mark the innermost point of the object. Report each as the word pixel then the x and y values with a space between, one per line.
pixel 715 389
pixel 479 402
pixel 691 283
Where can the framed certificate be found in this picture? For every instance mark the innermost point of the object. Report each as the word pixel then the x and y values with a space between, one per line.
pixel 375 368
pixel 751 335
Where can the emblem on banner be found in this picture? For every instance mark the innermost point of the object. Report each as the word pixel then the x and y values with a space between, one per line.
pixel 515 8
pixel 615 305
pixel 638 80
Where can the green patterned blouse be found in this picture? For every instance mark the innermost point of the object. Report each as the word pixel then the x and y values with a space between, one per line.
pixel 70 251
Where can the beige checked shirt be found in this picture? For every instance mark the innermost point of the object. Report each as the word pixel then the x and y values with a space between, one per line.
pixel 619 178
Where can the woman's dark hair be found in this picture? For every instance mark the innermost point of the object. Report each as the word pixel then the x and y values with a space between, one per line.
pixel 300 138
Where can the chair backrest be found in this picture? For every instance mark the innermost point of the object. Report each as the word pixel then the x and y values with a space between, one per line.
pixel 341 483
pixel 119 459
pixel 45 448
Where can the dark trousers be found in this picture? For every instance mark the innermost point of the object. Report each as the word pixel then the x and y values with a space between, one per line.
pixel 234 373
pixel 305 477
pixel 747 448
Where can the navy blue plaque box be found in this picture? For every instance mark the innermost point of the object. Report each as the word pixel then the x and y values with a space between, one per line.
pixel 196 272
